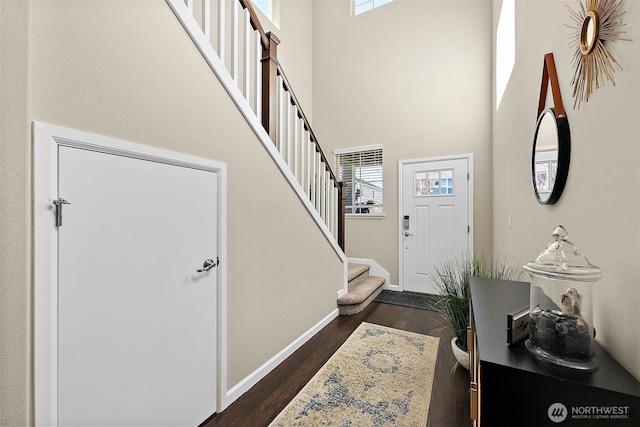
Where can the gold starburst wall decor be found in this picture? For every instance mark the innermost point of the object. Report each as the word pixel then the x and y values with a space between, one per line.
pixel 596 22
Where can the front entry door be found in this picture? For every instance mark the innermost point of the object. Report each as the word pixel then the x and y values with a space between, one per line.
pixel 136 325
pixel 436 220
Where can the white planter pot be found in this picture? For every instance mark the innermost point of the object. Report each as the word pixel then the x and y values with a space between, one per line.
pixel 461 356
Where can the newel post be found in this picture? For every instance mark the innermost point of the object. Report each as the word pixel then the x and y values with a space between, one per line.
pixel 341 215
pixel 269 85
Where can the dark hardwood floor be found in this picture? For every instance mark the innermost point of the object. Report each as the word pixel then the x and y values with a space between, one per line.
pixel 449 399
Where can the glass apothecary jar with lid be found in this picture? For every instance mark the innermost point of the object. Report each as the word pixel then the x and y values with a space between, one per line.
pixel 561 305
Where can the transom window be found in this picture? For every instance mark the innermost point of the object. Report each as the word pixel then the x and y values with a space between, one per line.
pixel 360 170
pixel 360 6
pixel 264 6
pixel 433 182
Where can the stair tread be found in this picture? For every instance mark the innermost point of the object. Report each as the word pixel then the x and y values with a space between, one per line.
pixel 361 291
pixel 355 270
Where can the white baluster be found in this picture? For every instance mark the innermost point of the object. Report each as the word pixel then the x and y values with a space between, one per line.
pixel 337 220
pixel 327 206
pixel 206 19
pixel 279 114
pixel 189 4
pixel 319 183
pixel 221 30
pixel 257 75
pixel 322 193
pixel 334 208
pixel 312 183
pixel 234 40
pixel 310 162
pixel 247 54
pixel 296 131
pixel 322 190
pixel 303 144
pixel 331 207
pixel 288 128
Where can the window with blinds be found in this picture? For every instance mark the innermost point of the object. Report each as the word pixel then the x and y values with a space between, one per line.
pixel 360 170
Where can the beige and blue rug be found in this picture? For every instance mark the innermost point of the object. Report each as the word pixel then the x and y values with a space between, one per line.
pixel 379 377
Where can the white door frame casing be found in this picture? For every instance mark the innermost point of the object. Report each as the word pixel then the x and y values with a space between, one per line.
pixel 401 164
pixel 46 140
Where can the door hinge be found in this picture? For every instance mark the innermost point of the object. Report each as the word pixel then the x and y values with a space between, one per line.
pixel 467 176
pixel 468 229
pixel 58 204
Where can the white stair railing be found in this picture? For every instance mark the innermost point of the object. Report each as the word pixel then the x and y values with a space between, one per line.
pixel 233 34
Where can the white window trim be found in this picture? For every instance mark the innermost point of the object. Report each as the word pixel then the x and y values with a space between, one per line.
pixel 358 150
pixel 365 216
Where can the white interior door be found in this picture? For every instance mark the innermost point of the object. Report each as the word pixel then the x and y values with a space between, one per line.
pixel 435 218
pixel 136 322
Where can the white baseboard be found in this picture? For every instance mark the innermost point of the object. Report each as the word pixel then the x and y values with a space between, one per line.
pixel 243 386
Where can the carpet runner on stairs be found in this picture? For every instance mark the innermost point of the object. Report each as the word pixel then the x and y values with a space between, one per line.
pixel 362 289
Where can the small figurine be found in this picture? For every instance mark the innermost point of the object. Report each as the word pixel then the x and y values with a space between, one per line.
pixel 571 301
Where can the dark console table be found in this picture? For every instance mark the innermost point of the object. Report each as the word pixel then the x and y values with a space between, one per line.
pixel 509 387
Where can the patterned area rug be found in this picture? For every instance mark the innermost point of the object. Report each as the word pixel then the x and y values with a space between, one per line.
pixel 379 377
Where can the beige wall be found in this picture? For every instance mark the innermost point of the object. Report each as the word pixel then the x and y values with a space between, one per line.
pixel 15 218
pixel 295 30
pixel 600 206
pixel 413 76
pixel 128 70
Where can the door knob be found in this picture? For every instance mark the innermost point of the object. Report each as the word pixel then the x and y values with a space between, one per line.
pixel 208 265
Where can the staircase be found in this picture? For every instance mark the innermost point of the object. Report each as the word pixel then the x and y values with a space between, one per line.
pixel 244 58
pixel 362 289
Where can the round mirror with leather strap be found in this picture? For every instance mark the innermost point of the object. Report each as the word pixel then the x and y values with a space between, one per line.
pixel 552 141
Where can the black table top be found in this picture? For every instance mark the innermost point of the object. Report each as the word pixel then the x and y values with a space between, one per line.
pixel 492 300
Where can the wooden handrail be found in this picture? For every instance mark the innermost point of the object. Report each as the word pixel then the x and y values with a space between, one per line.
pixel 271 68
pixel 258 82
pixel 255 22
pixel 307 125
pixel 339 185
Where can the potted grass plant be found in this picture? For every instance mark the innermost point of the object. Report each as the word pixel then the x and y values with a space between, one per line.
pixel 451 279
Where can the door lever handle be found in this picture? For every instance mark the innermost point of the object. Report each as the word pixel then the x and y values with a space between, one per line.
pixel 208 265
pixel 407 234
